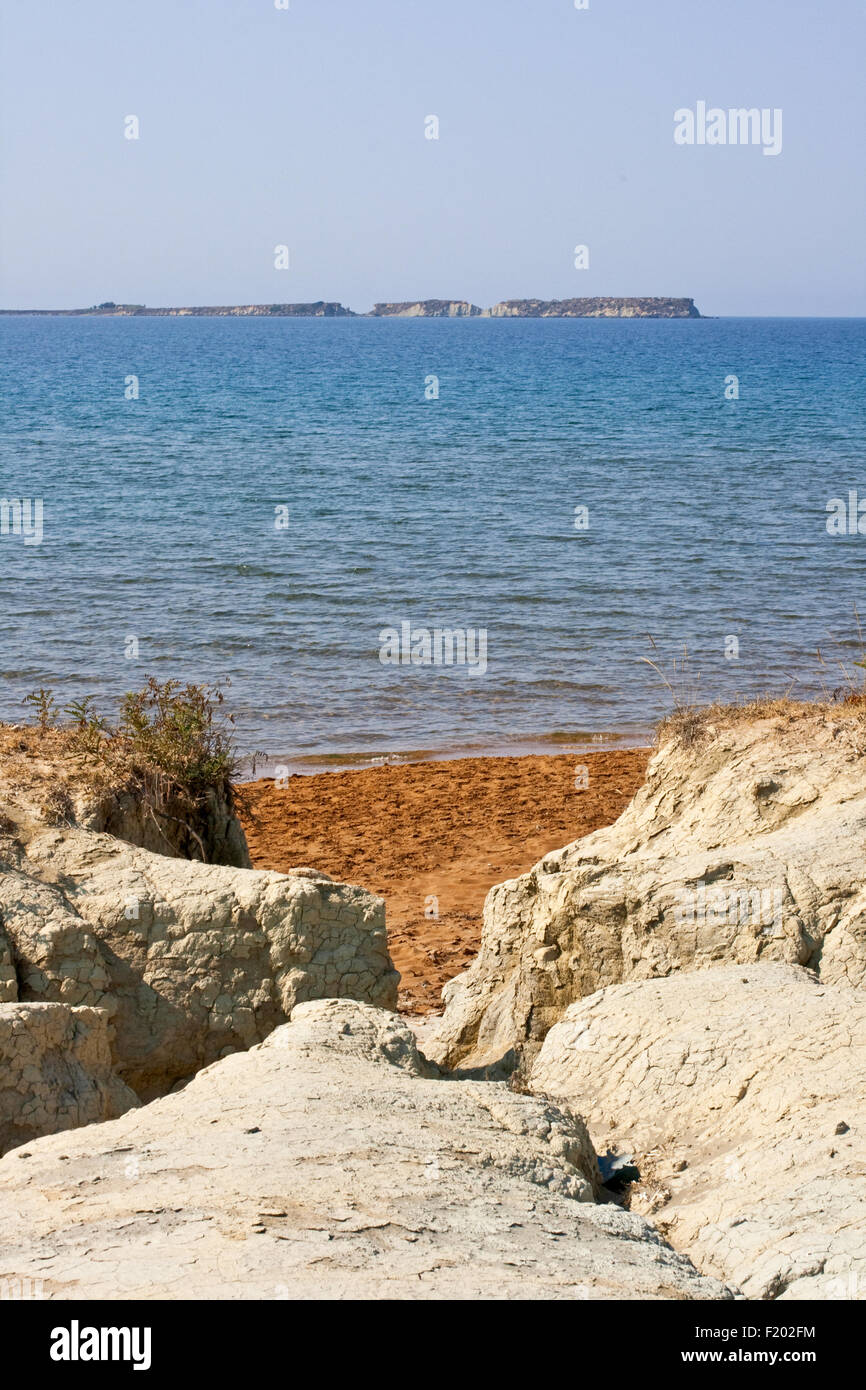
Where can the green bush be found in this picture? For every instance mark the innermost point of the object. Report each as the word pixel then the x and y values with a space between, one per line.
pixel 181 732
pixel 43 703
pixel 173 738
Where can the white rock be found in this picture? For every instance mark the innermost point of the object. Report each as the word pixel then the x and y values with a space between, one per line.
pixel 190 960
pixel 329 1163
pixel 746 843
pixel 55 1071
pixel 744 1074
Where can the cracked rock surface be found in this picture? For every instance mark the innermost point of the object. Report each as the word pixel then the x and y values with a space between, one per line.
pixel 740 1092
pixel 55 1071
pixel 330 1161
pixel 745 844
pixel 191 961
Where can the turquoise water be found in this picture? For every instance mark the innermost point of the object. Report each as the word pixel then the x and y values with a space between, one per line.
pixel 706 518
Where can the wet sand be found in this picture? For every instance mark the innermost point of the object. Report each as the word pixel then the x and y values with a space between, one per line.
pixel 433 837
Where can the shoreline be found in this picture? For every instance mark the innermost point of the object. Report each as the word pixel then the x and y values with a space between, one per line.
pixel 542 746
pixel 432 837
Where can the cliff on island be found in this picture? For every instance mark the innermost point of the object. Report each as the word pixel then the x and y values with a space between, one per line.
pixel 648 308
pixel 319 310
pixel 427 309
pixel 604 308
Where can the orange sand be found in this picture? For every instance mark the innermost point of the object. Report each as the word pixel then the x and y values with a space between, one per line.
pixel 443 830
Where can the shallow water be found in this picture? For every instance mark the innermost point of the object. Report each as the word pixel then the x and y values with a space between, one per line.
pixel 707 518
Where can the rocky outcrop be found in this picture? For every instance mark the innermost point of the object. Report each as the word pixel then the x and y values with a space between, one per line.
pixel 599 308
pixel 43 781
pixel 209 830
pixel 190 960
pixel 745 844
pixel 740 1095
pixel 55 1071
pixel 426 309
pixel 107 902
pixel 329 1163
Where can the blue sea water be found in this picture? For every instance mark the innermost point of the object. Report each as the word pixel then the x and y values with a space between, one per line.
pixel 707 518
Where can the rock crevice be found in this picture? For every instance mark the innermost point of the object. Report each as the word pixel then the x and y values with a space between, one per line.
pixel 333 1167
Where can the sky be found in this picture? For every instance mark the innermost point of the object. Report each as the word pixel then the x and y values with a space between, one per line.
pixel 305 127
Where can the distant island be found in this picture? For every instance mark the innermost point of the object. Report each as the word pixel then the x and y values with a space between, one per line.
pixel 319 310
pixel 599 308
pixel 652 308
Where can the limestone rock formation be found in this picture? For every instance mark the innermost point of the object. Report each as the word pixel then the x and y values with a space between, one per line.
pixel 426 309
pixel 55 1071
pixel 329 1162
pixel 190 960
pixel 740 1093
pixel 745 843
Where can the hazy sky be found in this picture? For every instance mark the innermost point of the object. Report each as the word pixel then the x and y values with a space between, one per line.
pixel 306 127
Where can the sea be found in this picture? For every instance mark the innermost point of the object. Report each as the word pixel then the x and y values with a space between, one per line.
pixel 292 509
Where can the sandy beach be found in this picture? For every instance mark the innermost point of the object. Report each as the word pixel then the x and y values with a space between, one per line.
pixel 432 838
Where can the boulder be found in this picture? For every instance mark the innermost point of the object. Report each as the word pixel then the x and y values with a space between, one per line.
pixel 192 961
pixel 330 1162
pixel 55 1071
pixel 745 843
pixel 739 1093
